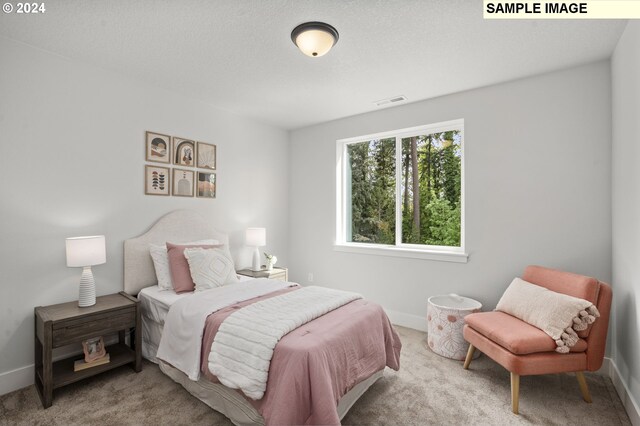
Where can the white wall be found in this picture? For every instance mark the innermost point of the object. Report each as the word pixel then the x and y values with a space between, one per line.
pixel 72 161
pixel 538 182
pixel 625 66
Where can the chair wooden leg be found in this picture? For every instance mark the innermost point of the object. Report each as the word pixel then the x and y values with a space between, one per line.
pixel 470 352
pixel 515 392
pixel 583 386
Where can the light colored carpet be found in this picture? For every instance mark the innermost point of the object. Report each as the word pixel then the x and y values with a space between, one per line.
pixel 428 389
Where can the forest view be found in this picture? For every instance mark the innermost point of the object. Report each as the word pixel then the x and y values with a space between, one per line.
pixel 430 190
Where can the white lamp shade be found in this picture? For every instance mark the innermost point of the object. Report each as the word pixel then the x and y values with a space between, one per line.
pixel 86 251
pixel 256 237
pixel 315 43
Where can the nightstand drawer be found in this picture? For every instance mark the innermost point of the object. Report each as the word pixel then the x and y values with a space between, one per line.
pixel 92 326
pixel 280 277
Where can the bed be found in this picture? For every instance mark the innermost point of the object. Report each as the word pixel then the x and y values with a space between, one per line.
pixel 140 279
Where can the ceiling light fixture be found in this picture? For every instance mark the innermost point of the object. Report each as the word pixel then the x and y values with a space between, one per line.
pixel 314 38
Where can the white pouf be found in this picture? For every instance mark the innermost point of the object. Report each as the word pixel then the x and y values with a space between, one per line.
pixel 445 319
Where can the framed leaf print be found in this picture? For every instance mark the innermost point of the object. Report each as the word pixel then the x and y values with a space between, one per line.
pixel 156 180
pixel 206 156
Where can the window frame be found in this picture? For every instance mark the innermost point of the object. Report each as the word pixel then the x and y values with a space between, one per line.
pixel 399 249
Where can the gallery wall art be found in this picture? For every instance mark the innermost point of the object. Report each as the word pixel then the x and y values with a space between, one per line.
pixel 158 148
pixel 206 156
pixel 156 180
pixel 206 185
pixel 184 152
pixel 183 181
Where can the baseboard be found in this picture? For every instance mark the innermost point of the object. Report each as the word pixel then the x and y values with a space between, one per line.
pixel 605 370
pixel 16 379
pixel 22 377
pixel 629 402
pixel 415 322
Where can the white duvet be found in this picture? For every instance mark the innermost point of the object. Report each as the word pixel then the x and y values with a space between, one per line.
pixel 242 349
pixel 181 340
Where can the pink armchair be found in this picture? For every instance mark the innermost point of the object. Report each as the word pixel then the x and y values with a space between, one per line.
pixel 526 350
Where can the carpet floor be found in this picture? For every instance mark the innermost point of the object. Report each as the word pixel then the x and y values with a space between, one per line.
pixel 428 390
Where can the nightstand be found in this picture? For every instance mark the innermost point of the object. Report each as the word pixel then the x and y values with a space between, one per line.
pixel 66 323
pixel 277 273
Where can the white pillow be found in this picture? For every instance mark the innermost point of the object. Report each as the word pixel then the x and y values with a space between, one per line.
pixel 210 268
pixel 161 262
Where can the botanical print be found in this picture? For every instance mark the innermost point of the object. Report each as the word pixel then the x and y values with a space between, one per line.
pixel 206 156
pixel 156 180
pixel 183 152
pixel 183 182
pixel 158 147
pixel 206 185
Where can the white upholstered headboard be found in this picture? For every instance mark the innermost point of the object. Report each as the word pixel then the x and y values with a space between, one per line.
pixel 179 226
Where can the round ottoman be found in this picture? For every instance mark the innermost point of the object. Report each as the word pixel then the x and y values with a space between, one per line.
pixel 445 319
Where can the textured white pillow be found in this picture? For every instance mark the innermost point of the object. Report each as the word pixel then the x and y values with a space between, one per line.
pixel 210 267
pixel 161 262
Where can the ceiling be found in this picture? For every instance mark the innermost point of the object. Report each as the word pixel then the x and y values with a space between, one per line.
pixel 238 55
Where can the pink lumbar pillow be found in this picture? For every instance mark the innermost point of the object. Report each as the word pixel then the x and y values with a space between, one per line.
pixel 179 266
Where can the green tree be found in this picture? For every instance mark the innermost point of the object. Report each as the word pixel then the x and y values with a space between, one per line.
pixel 431 185
pixel 373 191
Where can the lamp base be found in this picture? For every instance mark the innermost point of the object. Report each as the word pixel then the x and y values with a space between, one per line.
pixel 255 265
pixel 87 288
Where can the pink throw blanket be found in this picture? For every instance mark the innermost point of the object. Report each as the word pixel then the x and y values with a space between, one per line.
pixel 318 363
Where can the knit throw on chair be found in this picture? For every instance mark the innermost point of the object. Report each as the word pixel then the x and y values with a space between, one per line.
pixel 557 314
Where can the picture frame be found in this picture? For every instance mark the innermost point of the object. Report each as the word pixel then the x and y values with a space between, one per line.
pixel 184 152
pixel 206 155
pixel 93 349
pixel 206 185
pixel 183 183
pixel 157 180
pixel 157 147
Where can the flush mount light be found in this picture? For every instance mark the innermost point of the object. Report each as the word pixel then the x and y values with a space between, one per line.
pixel 314 38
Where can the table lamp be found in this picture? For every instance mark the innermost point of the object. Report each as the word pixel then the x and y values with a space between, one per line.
pixel 85 252
pixel 256 237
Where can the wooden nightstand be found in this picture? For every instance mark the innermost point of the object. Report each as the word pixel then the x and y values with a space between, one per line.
pixel 66 323
pixel 277 273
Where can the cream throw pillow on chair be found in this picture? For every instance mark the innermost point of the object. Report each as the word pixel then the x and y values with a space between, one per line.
pixel 210 268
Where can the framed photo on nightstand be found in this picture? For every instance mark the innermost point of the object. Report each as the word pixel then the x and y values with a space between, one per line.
pixel 93 349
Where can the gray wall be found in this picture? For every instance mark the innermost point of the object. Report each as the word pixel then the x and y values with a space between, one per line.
pixel 72 164
pixel 538 183
pixel 625 66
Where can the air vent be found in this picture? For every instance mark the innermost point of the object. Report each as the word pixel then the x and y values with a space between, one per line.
pixel 392 100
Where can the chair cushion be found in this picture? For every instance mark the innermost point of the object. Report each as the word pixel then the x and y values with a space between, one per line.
pixel 515 335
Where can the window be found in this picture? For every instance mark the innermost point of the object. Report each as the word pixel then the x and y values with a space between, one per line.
pixel 402 193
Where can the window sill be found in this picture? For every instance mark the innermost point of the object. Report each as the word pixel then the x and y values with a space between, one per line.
pixel 443 256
